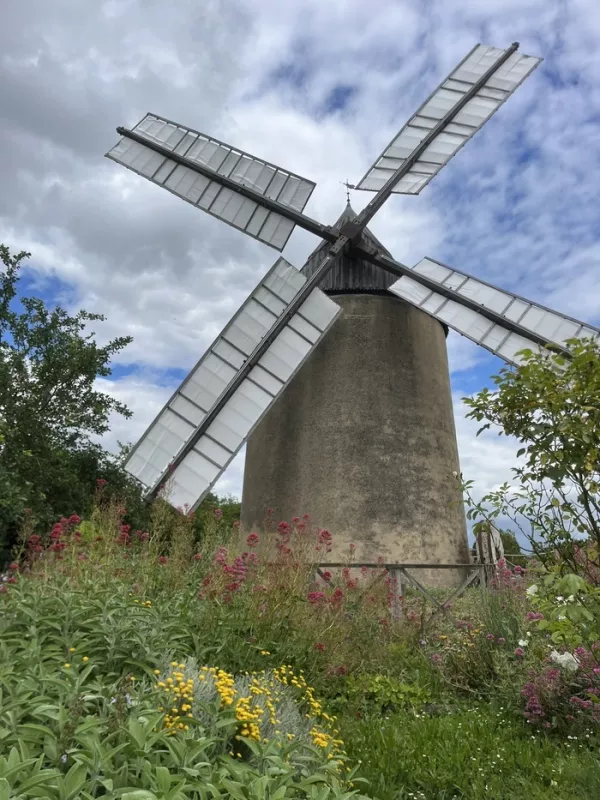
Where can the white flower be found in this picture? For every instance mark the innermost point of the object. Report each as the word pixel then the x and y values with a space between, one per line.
pixel 571 598
pixel 559 599
pixel 565 660
pixel 523 642
pixel 561 617
pixel 531 590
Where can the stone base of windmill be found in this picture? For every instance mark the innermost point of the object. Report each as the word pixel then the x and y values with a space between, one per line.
pixel 363 440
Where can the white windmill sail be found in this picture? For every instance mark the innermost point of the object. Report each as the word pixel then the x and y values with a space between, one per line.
pixel 181 417
pixel 460 128
pixel 514 323
pixel 227 164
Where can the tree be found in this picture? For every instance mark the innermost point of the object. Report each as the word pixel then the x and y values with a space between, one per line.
pixel 49 405
pixel 551 404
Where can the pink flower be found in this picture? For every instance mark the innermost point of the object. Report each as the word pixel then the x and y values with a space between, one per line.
pixel 324 537
pixel 319 646
pixel 100 483
pixel 197 556
pixel 316 597
pixel 3 589
pixel 33 540
pixel 270 511
pixel 295 520
pixel 236 524
pixel 352 547
pixel 218 513
pixel 283 528
pixel 519 652
pixel 163 560
pixel 305 517
pixel 501 640
pixel 326 575
pixel 13 566
pixel 74 519
pixel 337 596
pixel 490 637
pixel 252 539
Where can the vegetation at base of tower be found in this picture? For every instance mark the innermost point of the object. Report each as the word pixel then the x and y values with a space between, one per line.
pixel 136 663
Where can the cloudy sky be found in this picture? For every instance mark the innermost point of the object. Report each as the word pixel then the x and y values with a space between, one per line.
pixel 319 88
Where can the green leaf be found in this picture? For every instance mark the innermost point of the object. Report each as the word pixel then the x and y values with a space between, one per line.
pixel 139 794
pixel 137 732
pixel 4 789
pixel 163 779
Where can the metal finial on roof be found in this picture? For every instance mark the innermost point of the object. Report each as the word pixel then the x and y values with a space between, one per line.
pixel 348 187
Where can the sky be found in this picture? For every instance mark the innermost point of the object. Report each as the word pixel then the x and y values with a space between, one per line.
pixel 317 88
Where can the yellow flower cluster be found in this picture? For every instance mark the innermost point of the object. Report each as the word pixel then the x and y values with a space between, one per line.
pixel 259 703
pixel 224 683
pixel 144 603
pixel 249 716
pixel 181 694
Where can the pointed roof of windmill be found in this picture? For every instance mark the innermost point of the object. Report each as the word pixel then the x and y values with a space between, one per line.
pixel 351 274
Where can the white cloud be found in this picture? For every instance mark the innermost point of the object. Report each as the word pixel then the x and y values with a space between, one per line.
pixel 517 206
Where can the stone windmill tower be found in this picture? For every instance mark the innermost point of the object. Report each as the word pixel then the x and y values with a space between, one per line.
pixel 337 374
pixel 363 438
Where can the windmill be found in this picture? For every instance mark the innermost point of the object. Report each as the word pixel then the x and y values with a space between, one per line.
pixel 337 374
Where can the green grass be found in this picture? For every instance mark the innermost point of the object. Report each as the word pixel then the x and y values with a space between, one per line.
pixel 472 753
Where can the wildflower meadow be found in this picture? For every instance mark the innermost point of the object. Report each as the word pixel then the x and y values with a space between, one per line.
pixel 145 664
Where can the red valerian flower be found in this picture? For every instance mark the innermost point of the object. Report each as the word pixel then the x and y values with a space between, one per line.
pixel 74 519
pixel 316 597
pixel 324 537
pixel 11 579
pixel 295 520
pixel 337 596
pixel 283 527
pixel 236 524
pixel 13 566
pixel 270 510
pixel 252 539
pixel 305 517
pixel 519 652
pixel 34 539
pixel 319 646
pixel 100 483
pixel 326 575
pixel 197 556
pixel 218 513
pixel 163 560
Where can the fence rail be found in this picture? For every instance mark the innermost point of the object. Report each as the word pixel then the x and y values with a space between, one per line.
pixel 400 574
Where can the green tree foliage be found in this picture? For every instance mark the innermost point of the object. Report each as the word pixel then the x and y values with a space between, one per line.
pixel 50 407
pixel 551 404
